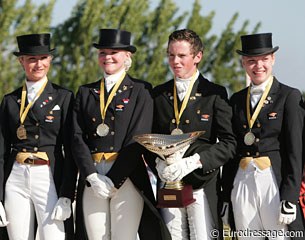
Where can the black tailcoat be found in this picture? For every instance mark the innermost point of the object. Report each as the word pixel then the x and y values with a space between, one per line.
pixel 48 131
pixel 207 110
pixel 130 113
pixel 278 132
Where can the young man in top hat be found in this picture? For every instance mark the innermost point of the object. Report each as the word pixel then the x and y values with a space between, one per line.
pixel 37 173
pixel 115 199
pixel 263 181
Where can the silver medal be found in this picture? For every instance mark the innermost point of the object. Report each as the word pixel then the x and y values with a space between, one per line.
pixel 177 131
pixel 102 130
pixel 249 138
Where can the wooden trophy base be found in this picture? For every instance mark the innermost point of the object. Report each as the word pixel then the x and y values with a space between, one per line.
pixel 172 198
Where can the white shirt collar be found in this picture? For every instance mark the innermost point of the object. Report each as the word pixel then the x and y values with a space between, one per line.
pixel 110 80
pixel 183 85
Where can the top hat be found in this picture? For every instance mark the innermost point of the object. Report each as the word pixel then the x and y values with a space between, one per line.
pixel 34 44
pixel 256 44
pixel 115 39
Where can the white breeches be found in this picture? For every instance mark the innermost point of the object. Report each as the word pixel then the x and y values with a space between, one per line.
pixel 116 218
pixel 256 201
pixel 193 222
pixel 30 192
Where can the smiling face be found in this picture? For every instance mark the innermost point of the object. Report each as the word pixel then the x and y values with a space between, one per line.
pixel 259 68
pixel 35 67
pixel 112 60
pixel 182 60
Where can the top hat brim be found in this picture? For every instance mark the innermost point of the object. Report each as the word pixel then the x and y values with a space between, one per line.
pixel 34 53
pixel 129 48
pixel 257 52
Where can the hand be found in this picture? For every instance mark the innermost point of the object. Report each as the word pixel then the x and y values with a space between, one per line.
pixel 225 213
pixel 177 155
pixel 288 212
pixel 102 186
pixel 160 165
pixel 62 209
pixel 176 171
pixel 3 221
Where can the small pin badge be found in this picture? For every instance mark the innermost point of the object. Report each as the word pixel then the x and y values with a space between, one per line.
pixel 49 119
pixel 125 100
pixel 205 117
pixel 119 108
pixel 272 116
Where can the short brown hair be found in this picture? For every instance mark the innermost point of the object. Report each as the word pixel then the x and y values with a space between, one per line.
pixel 189 36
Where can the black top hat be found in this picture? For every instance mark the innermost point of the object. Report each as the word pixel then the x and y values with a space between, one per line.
pixel 34 44
pixel 115 39
pixel 256 44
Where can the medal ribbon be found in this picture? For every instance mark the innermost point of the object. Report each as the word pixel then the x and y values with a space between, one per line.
pixel 104 107
pixel 252 119
pixel 178 113
pixel 24 112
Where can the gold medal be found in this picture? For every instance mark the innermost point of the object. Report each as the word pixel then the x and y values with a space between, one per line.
pixel 249 138
pixel 21 132
pixel 102 130
pixel 177 131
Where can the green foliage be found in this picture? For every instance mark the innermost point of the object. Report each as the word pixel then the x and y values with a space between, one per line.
pixel 15 19
pixel 75 62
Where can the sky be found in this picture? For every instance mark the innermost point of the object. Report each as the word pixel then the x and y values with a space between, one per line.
pixel 284 19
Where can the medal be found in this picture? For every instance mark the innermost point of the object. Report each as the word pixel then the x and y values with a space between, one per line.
pixel 21 132
pixel 249 138
pixel 177 131
pixel 102 130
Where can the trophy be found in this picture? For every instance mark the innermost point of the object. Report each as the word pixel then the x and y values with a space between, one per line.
pixel 173 194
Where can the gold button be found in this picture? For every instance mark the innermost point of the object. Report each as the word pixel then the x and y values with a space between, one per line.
pixel 258 125
pixel 173 120
pixel 36 136
pixel 257 153
pixel 112 133
pixel 248 154
pixel 257 139
pixel 245 126
pixel 112 118
pixel 35 149
pixel 37 124
pixel 93 119
pixel 94 134
pixel 187 121
pixel 111 148
pixel 198 111
pixel 23 150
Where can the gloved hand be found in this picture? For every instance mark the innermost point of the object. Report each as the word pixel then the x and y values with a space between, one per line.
pixel 225 213
pixel 181 167
pixel 288 212
pixel 3 221
pixel 176 156
pixel 102 186
pixel 62 209
pixel 160 165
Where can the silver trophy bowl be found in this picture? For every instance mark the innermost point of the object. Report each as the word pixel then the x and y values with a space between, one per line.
pixel 165 145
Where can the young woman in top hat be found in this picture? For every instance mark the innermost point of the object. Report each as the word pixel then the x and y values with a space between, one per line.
pixel 37 178
pixel 115 199
pixel 263 181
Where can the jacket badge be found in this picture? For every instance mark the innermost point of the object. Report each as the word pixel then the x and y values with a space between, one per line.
pixel 205 117
pixel 125 100
pixel 198 94
pixel 49 119
pixel 97 91
pixel 119 107
pixel 272 116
